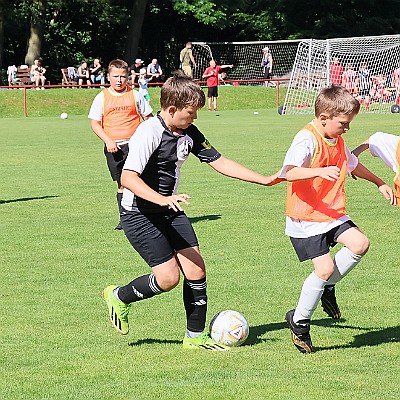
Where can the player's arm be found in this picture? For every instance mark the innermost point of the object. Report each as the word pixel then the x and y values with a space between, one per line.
pixel 227 66
pixel 132 181
pixel 111 145
pixel 293 173
pixel 363 172
pixel 362 147
pixel 231 168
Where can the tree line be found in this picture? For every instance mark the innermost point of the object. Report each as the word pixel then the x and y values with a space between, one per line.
pixel 63 32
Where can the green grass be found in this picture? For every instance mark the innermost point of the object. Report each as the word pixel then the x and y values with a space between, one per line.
pixel 52 102
pixel 58 250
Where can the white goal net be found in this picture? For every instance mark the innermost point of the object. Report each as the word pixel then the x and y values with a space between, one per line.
pixel 369 67
pixel 246 58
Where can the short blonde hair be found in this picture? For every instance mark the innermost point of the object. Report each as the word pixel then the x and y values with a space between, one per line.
pixel 335 100
pixel 180 91
pixel 118 64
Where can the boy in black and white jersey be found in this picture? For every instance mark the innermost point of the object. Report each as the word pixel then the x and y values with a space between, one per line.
pixel 152 215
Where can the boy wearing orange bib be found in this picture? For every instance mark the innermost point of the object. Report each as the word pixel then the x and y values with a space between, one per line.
pixel 116 113
pixel 315 167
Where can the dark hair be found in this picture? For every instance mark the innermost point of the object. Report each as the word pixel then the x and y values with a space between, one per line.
pixel 181 91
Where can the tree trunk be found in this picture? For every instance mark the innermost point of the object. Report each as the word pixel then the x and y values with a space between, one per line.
pixel 38 11
pixel 2 10
pixel 135 29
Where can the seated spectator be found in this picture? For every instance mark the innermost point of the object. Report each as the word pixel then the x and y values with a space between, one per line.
pixel 38 74
pixel 12 75
pixel 96 73
pixel 154 70
pixel 135 70
pixel 83 74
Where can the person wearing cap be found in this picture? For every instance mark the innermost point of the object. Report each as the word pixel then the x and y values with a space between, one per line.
pixel 135 69
pixel 187 60
pixel 266 64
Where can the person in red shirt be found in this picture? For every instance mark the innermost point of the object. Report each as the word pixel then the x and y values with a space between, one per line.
pixel 336 71
pixel 211 73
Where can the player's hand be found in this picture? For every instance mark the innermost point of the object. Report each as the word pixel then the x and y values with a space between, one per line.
pixel 331 173
pixel 112 146
pixel 387 192
pixel 174 200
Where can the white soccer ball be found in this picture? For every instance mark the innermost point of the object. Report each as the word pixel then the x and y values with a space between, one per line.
pixel 255 112
pixel 229 328
pixel 64 116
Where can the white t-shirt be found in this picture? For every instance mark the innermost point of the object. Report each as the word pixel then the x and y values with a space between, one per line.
pixel 384 146
pixel 96 110
pixel 300 154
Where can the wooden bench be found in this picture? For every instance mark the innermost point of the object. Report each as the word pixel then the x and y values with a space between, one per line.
pixel 23 77
pixel 66 79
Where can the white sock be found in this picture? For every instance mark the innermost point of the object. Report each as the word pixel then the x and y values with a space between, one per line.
pixel 345 260
pixel 310 295
pixel 191 334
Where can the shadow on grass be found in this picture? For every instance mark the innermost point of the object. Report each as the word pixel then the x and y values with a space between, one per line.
pixel 370 337
pixel 204 218
pixel 26 199
pixel 153 341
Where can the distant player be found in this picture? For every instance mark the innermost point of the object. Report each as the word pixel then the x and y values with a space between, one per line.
pixel 349 79
pixel 315 167
pixel 211 73
pixel 116 113
pixel 152 216
pixel 387 147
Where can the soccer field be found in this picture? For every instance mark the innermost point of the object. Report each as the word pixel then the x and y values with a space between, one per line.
pixel 59 250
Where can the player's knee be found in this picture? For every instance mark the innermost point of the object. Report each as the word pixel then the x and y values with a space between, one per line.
pixel 168 282
pixel 362 246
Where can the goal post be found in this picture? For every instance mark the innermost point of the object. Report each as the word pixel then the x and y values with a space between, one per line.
pixel 366 66
pixel 246 58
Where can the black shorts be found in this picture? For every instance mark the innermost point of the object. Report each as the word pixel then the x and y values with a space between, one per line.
pixel 212 91
pixel 267 74
pixel 157 237
pixel 116 161
pixel 318 245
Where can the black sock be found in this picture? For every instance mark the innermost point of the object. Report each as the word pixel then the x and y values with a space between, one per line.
pixel 195 301
pixel 119 199
pixel 140 288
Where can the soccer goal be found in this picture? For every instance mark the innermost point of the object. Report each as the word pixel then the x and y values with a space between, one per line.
pixel 366 66
pixel 246 58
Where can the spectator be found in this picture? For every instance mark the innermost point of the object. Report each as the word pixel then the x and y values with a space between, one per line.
pixel 83 74
pixel 363 85
pixel 143 84
pixel 96 73
pixel 38 74
pixel 12 74
pixel 266 64
pixel 336 71
pixel 396 84
pixel 135 70
pixel 186 57
pixel 211 73
pixel 349 79
pixel 154 70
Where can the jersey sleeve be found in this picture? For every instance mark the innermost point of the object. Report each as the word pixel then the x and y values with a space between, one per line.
pixel 352 161
pixel 202 148
pixel 142 145
pixel 142 105
pixel 384 146
pixel 96 109
pixel 300 152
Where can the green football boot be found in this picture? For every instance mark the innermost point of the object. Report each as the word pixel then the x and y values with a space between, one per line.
pixel 204 342
pixel 117 310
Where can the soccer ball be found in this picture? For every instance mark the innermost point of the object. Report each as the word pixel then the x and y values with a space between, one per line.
pixel 64 116
pixel 229 328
